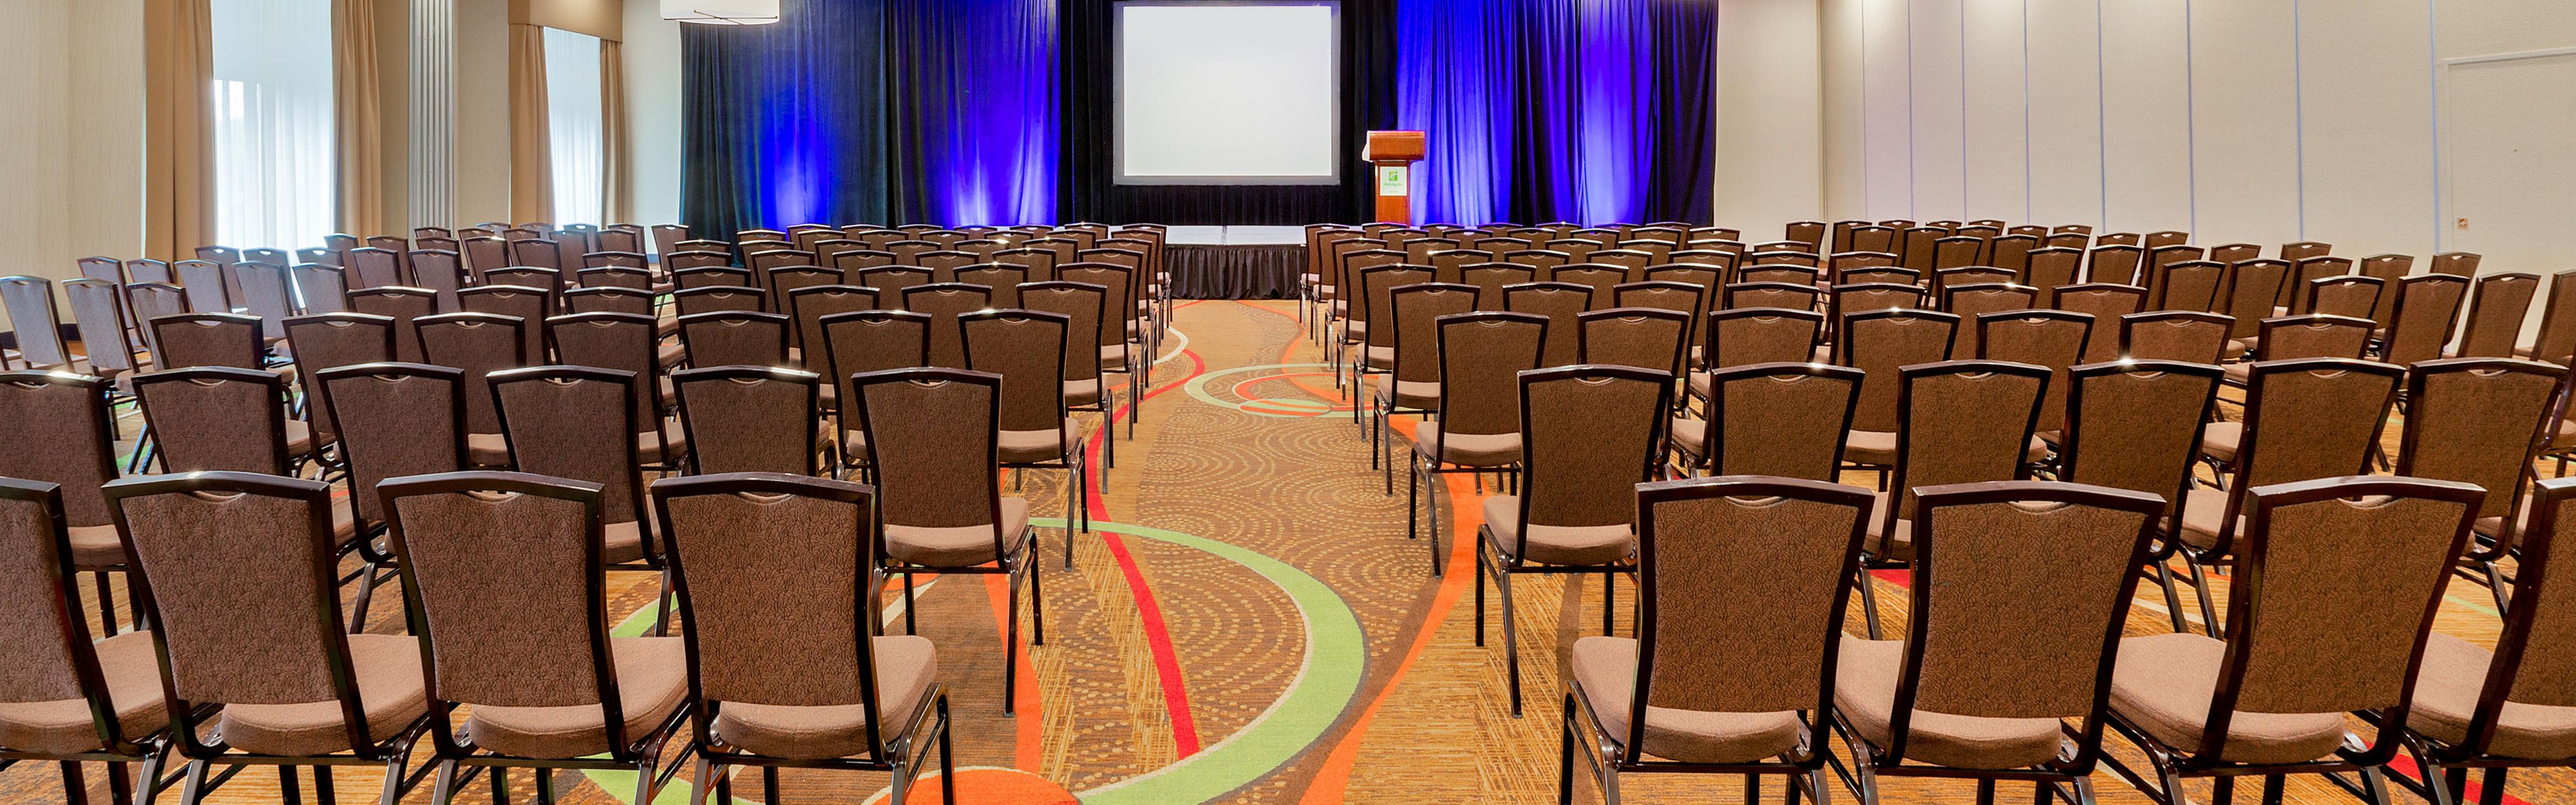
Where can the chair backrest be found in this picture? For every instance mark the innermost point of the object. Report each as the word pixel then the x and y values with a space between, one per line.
pixel 932 439
pixel 1376 300
pixel 2496 311
pixel 264 293
pixel 1972 302
pixel 1987 558
pixel 2388 269
pixel 945 302
pixel 1742 585
pixel 2051 269
pixel 402 305
pixel 207 339
pixel 461 538
pixel 2479 421
pixel 1960 422
pixel 48 652
pixel 1778 272
pixel 2531 666
pixel 1792 295
pixel 371 267
pixel 394 419
pixel 34 321
pixel 68 414
pixel 622 341
pixel 735 338
pixel 208 283
pixel 2303 273
pixel 608 300
pixel 1561 303
pixel 2306 419
pixel 2342 295
pixel 785 280
pixel 2426 309
pixel 2136 425
pixel 2106 302
pixel 748 546
pixel 239 578
pixel 685 276
pixel 1880 341
pixel 2314 335
pixel 1588 436
pixel 1646 338
pixel 2049 338
pixel 216 418
pixel 98 315
pixel 559 423
pixel 329 340
pixel 2117 265
pixel 145 301
pixel 2253 289
pixel 1490 279
pixel 1750 335
pixel 1026 348
pixel 1481 356
pixel 2188 285
pixel 1413 318
pixel 477 344
pixel 1782 419
pixel 1600 279
pixel 2325 560
pixel 749 418
pixel 531 305
pixel 615 277
pixel 2175 335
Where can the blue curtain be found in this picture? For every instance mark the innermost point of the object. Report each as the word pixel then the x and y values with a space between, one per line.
pixel 784 124
pixel 973 85
pixel 872 112
pixel 1589 111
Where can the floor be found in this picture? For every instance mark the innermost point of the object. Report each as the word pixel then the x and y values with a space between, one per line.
pixel 1250 624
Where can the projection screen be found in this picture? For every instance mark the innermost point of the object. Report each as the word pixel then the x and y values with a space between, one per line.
pixel 1240 92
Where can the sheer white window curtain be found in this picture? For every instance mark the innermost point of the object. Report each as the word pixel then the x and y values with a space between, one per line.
pixel 574 127
pixel 275 144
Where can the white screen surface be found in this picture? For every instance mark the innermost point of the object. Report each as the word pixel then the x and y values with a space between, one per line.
pixel 1231 93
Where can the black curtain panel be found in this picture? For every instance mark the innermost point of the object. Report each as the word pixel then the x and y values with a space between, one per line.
pixel 1682 156
pixel 784 124
pixel 1089 176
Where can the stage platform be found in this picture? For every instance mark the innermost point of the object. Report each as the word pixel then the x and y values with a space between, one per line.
pixel 1235 262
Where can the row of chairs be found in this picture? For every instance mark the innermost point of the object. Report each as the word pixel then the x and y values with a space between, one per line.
pixel 2014 662
pixel 781 661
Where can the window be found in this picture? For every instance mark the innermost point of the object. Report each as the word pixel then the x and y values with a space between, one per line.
pixel 276 182
pixel 573 127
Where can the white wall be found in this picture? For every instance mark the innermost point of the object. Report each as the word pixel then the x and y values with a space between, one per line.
pixel 71 147
pixel 652 52
pixel 1769 125
pixel 2262 122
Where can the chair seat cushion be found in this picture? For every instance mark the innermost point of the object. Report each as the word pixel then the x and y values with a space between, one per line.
pixel 1466 449
pixel 2236 374
pixel 1416 394
pixel 1691 435
pixel 2220 440
pixel 132 672
pixel 390 693
pixel 2163 685
pixel 1865 677
pixel 906 667
pixel 652 682
pixel 96 546
pixel 2203 510
pixel 487 449
pixel 299 438
pixel 958 546
pixel 1556 545
pixel 1870 447
pixel 1082 392
pixel 1886 542
pixel 2446 695
pixel 648 449
pixel 1606 668
pixel 1379 357
pixel 1057 444
pixel 624 542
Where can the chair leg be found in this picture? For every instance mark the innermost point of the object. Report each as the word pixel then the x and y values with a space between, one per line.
pixel 1869 603
pixel 119 790
pixel 2222 790
pixel 2496 586
pixel 1480 591
pixel 2173 598
pixel 2272 789
pixel 366 598
pixel 546 786
pixel 1565 757
pixel 2491 792
pixel 1609 598
pixel 193 791
pixel 768 785
pixel 947 763
pixel 290 788
pixel 75 785
pixel 2208 611
pixel 699 781
pixel 1037 599
pixel 662 606
pixel 907 602
pixel 1986 792
pixel 442 789
pixel 1753 789
pixel 106 603
pixel 1511 639
pixel 1010 648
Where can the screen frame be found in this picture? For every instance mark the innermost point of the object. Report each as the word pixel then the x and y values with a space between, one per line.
pixel 1118 98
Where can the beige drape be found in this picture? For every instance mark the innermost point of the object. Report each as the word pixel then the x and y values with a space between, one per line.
pixel 179 128
pixel 532 175
pixel 617 166
pixel 357 104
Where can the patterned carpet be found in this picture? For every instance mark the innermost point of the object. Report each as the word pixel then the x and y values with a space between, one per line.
pixel 1251 625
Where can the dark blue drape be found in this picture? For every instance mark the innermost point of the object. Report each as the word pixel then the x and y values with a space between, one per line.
pixel 973 85
pixel 1591 111
pixel 872 112
pixel 784 124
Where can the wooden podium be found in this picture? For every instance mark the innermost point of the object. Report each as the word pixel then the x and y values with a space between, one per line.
pixel 1391 154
